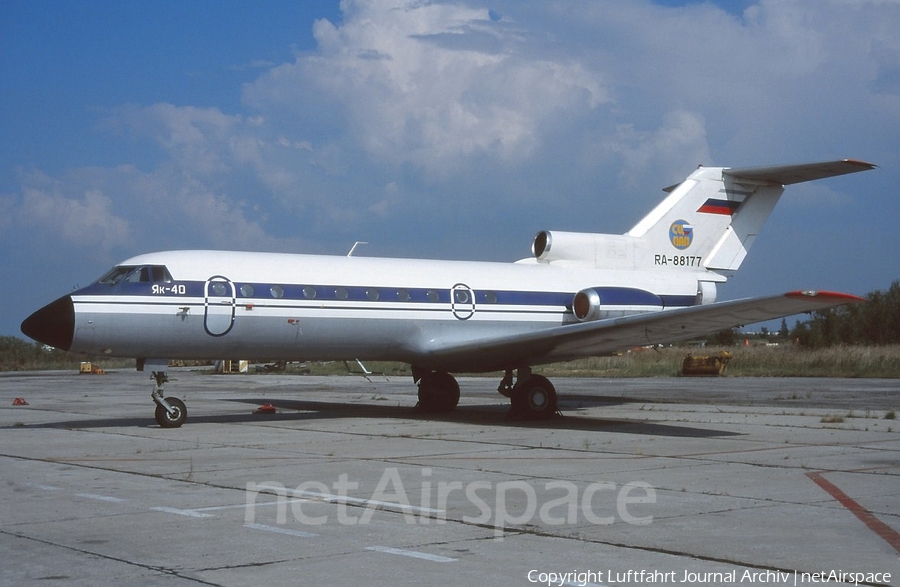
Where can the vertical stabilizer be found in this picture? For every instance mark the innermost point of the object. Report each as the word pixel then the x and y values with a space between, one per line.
pixel 712 218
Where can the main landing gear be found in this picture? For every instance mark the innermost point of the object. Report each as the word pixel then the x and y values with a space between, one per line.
pixel 532 397
pixel 438 392
pixel 170 411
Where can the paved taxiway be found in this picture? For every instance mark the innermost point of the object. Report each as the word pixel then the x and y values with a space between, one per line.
pixel 719 477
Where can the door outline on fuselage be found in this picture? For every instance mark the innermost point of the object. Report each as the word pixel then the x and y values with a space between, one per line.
pixel 462 301
pixel 220 299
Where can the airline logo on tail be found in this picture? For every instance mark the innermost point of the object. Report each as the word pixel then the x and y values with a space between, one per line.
pixel 681 234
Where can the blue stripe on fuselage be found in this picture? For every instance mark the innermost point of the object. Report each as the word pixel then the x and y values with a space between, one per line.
pixel 610 296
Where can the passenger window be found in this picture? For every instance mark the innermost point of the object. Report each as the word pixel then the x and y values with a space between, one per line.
pixel 341 293
pixel 372 294
pixel 247 290
pixel 277 291
pixel 403 295
pixel 309 292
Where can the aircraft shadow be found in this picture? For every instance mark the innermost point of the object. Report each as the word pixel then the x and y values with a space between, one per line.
pixel 494 415
pixel 302 410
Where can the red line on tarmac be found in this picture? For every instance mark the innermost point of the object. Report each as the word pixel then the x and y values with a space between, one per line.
pixel 887 533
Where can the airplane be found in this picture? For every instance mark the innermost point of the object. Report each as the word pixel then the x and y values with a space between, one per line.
pixel 578 295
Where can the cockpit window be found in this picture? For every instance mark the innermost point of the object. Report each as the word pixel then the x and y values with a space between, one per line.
pixel 137 274
pixel 116 274
pixel 159 274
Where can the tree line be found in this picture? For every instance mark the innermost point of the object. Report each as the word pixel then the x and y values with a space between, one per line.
pixel 17 355
pixel 876 322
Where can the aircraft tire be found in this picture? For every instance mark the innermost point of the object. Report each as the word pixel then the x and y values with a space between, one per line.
pixel 534 399
pixel 438 392
pixel 167 420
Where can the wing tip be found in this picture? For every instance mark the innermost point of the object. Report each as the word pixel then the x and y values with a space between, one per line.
pixel 831 297
pixel 866 166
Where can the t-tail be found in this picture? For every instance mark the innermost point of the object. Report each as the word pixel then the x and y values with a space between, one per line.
pixel 707 222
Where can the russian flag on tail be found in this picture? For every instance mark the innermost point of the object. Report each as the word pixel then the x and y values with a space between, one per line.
pixel 715 206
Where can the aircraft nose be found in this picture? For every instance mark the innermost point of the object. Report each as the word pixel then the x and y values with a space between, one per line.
pixel 53 325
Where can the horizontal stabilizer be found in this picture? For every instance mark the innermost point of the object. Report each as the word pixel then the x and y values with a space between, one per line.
pixel 788 174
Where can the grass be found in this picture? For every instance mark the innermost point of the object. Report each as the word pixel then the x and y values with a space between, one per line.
pixel 60 361
pixel 753 361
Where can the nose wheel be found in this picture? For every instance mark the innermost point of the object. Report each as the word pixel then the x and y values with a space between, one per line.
pixel 170 411
pixel 174 416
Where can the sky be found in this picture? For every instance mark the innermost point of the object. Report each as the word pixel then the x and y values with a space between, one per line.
pixel 434 129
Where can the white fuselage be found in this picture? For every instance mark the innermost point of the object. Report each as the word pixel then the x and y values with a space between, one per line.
pixel 270 306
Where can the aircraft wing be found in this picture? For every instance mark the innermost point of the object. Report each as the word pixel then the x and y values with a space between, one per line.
pixel 602 337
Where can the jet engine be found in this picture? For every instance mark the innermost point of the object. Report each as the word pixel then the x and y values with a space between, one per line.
pixel 586 305
pixel 565 246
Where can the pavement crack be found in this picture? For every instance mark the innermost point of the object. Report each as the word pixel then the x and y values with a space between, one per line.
pixel 154 568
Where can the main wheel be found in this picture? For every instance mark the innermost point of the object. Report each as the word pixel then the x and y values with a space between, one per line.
pixel 535 398
pixel 176 418
pixel 438 392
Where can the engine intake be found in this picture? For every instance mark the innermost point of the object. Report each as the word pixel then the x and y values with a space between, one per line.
pixel 586 305
pixel 579 247
pixel 602 301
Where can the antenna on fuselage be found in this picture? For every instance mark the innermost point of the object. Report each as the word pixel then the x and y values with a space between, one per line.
pixel 353 248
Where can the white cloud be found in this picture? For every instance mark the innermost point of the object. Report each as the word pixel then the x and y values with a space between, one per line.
pixel 413 112
pixel 428 84
pixel 674 149
pixel 85 222
pixel 203 141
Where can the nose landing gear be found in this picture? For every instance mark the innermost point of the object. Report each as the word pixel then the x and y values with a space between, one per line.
pixel 170 411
